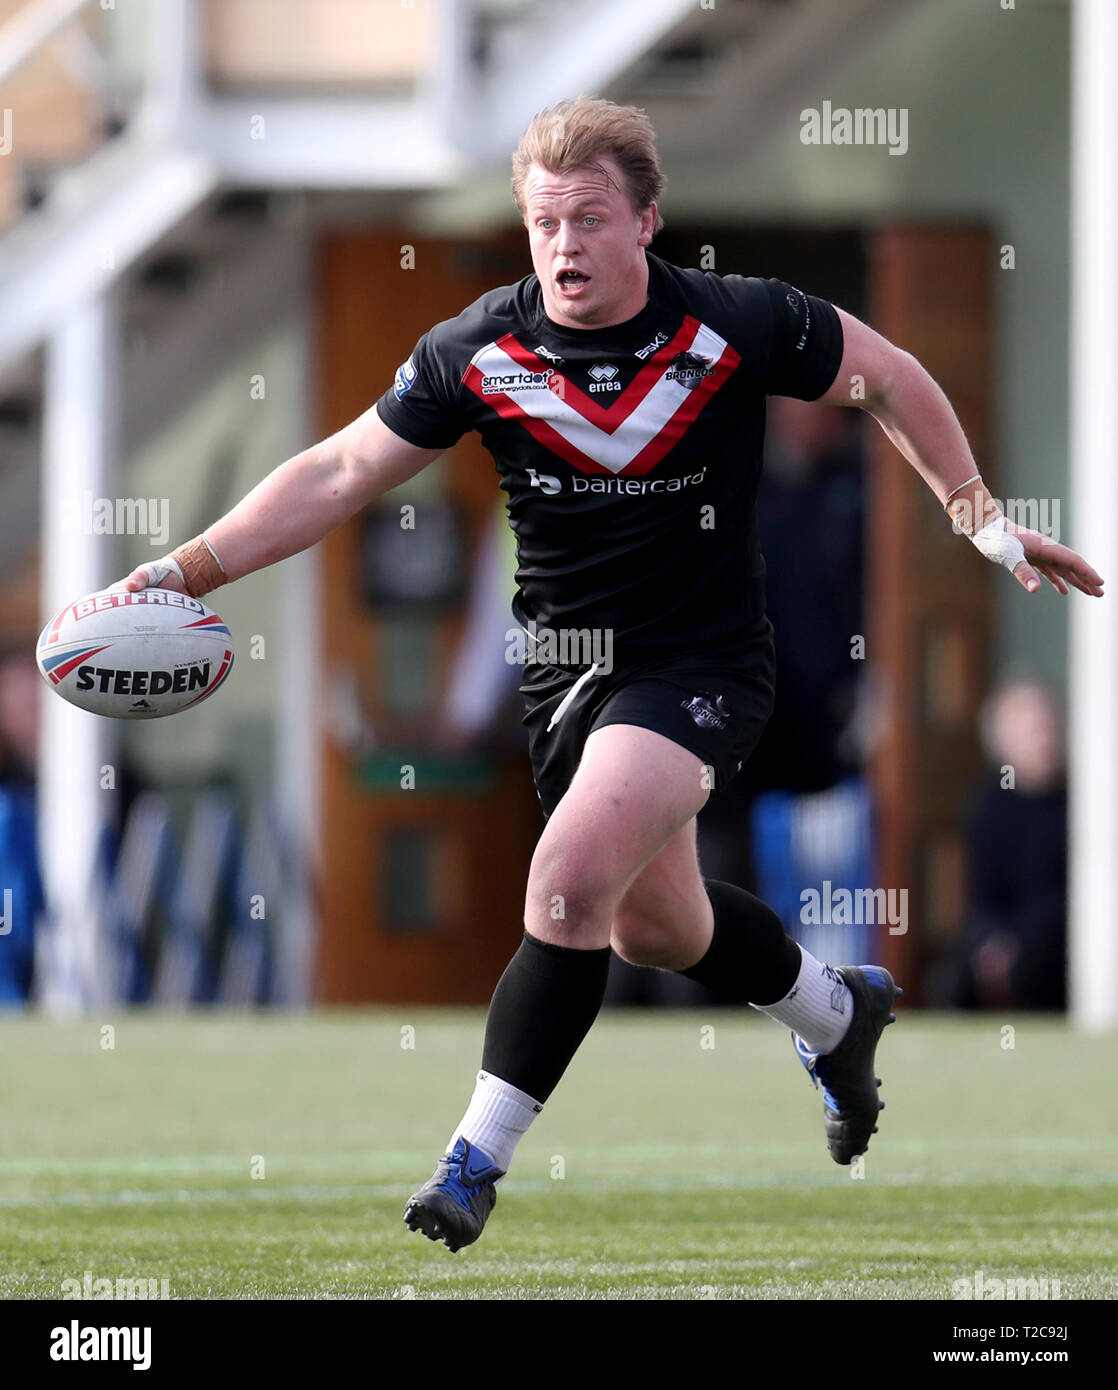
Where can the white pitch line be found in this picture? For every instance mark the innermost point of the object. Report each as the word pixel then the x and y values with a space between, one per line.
pixel 304 1192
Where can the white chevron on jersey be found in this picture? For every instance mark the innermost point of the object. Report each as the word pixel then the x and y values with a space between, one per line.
pixel 616 446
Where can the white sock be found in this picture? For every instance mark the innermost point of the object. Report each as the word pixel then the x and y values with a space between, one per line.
pixel 496 1119
pixel 818 1006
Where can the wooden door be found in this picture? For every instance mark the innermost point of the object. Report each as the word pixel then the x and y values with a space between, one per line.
pixel 423 884
pixel 929 591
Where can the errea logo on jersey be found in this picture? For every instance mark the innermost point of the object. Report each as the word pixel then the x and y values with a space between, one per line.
pixel 605 377
pixel 516 381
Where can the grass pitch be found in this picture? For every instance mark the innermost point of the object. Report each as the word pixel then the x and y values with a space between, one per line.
pixel 664 1167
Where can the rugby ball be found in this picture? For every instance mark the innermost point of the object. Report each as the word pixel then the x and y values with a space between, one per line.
pixel 135 656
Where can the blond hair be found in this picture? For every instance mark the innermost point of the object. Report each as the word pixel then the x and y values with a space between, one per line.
pixel 577 134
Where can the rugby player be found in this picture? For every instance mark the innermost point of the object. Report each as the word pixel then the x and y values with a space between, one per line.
pixel 623 401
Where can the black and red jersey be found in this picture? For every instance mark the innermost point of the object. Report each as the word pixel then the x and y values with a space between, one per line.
pixel 630 454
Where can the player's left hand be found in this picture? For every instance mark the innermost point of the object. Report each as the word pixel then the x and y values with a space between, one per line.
pixel 1059 564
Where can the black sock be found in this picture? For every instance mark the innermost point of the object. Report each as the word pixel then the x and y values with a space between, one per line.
pixel 750 955
pixel 542 1008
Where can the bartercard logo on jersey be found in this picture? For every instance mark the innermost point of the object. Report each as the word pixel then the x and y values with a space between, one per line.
pixel 405 378
pixel 547 484
pixel 616 487
pixel 507 382
pixel 637 487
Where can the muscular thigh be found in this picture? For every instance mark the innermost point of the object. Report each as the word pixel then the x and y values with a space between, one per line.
pixel 633 792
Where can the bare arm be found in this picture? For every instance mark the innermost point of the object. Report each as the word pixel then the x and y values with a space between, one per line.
pixel 303 499
pixel 916 415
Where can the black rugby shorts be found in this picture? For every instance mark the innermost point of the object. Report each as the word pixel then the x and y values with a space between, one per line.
pixel 715 707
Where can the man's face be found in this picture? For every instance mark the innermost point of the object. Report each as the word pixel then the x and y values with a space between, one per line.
pixel 587 245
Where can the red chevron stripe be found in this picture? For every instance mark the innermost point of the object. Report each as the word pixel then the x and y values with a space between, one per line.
pixel 608 418
pixel 549 437
pixel 669 435
pixel 676 427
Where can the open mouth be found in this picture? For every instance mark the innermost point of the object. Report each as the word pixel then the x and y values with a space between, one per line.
pixel 571 281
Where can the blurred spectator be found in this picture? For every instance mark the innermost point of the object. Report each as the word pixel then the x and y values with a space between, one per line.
pixel 1013 951
pixel 21 894
pixel 809 514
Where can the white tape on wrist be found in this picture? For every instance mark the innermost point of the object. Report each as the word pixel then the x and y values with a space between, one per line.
pixel 999 545
pixel 158 570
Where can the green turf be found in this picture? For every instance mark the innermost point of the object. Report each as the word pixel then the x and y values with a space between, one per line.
pixel 688 1172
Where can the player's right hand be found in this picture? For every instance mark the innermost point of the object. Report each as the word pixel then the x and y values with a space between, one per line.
pixel 1059 564
pixel 157 574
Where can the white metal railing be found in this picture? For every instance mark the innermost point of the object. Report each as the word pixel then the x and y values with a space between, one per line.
pixel 32 27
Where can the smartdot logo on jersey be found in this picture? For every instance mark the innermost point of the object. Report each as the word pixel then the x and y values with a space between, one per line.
pixel 505 382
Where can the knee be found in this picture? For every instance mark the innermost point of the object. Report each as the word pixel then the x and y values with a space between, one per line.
pixel 640 939
pixel 566 898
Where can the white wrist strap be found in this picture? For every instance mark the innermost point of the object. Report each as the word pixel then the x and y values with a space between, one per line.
pixel 158 570
pixel 999 545
pixel 959 486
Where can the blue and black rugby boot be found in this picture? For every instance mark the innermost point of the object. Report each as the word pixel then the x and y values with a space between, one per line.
pixel 850 1101
pixel 455 1204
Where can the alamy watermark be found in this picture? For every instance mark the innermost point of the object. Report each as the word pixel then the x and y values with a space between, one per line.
pixel 89 1287
pixel 980 1286
pixel 1036 513
pixel 86 515
pixel 78 1343
pixel 864 125
pixel 850 907
pixel 563 646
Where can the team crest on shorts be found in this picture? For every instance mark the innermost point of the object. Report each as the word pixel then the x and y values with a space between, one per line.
pixel 708 711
